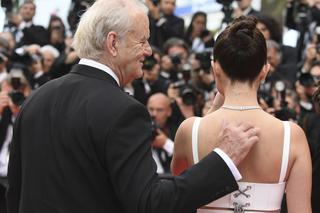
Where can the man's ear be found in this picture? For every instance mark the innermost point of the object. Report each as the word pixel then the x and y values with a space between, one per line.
pixel 111 43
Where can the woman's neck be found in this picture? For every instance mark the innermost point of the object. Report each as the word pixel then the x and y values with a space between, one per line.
pixel 240 94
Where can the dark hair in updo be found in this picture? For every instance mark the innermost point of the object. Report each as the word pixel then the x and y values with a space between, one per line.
pixel 241 50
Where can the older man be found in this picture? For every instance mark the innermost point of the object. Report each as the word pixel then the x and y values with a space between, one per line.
pixel 82 145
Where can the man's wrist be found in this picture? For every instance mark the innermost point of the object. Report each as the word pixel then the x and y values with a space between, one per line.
pixel 230 164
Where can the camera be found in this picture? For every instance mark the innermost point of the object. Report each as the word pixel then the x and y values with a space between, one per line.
pixel 149 63
pixel 306 80
pixel 187 92
pixel 154 128
pixel 205 61
pixel 284 113
pixel 16 96
pixel 175 59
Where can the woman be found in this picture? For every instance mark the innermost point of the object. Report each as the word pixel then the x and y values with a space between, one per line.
pixel 197 36
pixel 281 159
pixel 57 33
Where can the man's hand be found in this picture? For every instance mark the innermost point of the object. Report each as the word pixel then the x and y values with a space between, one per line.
pixel 159 140
pixel 4 101
pixel 237 140
pixel 154 10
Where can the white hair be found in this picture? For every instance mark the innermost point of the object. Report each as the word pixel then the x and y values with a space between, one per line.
pixel 51 49
pixel 101 18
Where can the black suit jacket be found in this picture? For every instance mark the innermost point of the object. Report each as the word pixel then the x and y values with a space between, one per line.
pixel 5 121
pixel 82 145
pixel 172 27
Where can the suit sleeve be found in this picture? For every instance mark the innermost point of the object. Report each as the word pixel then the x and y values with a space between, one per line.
pixel 133 171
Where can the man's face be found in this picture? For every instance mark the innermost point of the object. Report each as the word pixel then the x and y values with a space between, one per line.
pixel 27 11
pixel 244 4
pixel 273 57
pixel 199 24
pixel 315 72
pixel 159 108
pixel 133 49
pixel 167 6
pixel 152 75
pixel 264 30
pixel 48 60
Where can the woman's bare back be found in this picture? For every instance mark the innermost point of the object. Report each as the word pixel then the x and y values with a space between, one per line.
pixel 263 163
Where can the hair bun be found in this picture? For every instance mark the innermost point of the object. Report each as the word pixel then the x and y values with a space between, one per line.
pixel 243 26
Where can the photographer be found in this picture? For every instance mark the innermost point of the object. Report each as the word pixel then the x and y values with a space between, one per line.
pixel 303 16
pixel 150 83
pixel 176 53
pixel 202 71
pixel 315 72
pixel 163 23
pixel 280 70
pixel 37 76
pixel 197 36
pixel 164 130
pixel 312 55
pixel 245 9
pixel 177 69
pixel 13 92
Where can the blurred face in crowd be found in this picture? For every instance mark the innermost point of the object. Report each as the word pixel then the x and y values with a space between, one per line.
pixel 152 75
pixel 244 4
pixel 315 72
pixel 9 37
pixel 48 59
pixel 199 25
pixel 273 57
pixel 56 32
pixel 27 11
pixel 133 49
pixel 159 108
pixel 264 30
pixel 167 6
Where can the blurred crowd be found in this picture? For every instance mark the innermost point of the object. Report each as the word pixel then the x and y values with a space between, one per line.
pixel 177 81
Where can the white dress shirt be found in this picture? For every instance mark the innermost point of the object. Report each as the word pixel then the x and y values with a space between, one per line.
pixel 99 66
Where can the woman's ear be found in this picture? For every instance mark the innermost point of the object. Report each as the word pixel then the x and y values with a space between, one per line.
pixel 216 69
pixel 111 43
pixel 264 72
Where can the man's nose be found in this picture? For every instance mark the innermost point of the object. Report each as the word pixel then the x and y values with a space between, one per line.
pixel 148 50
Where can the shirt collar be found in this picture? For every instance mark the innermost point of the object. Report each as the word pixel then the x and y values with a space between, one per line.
pixel 95 64
pixel 25 24
pixel 247 11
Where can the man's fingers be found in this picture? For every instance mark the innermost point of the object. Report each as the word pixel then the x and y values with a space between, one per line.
pixel 253 140
pixel 245 126
pixel 253 132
